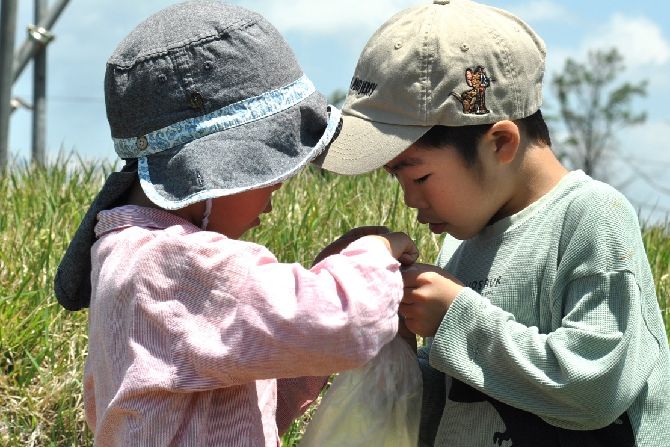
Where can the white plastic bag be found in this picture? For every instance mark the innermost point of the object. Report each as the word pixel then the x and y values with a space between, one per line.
pixel 377 405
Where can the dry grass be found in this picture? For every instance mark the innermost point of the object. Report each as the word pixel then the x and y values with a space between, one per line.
pixel 43 347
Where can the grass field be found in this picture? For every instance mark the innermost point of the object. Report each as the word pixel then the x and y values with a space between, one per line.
pixel 43 347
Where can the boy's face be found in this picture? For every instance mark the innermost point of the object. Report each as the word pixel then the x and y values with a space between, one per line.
pixel 449 195
pixel 234 215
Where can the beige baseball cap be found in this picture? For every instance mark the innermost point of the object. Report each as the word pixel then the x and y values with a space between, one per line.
pixel 450 63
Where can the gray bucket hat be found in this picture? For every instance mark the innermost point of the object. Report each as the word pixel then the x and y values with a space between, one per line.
pixel 204 100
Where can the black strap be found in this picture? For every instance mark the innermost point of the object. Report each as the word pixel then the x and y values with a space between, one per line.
pixel 524 429
pixel 72 283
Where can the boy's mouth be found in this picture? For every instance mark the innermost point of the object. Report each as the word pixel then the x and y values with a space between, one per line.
pixel 435 227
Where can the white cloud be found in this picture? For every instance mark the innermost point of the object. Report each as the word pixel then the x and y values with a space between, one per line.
pixel 541 11
pixel 639 39
pixel 327 17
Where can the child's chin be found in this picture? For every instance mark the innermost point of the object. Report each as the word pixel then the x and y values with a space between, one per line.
pixel 438 228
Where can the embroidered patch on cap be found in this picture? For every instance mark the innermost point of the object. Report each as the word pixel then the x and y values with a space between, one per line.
pixel 474 100
pixel 362 87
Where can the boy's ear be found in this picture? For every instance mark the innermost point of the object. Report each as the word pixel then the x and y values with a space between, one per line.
pixel 505 138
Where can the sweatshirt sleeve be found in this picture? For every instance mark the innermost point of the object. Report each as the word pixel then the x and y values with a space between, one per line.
pixel 239 315
pixel 582 375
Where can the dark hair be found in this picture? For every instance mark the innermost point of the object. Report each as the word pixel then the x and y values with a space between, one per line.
pixel 465 138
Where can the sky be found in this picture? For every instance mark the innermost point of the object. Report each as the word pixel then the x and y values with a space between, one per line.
pixel 327 37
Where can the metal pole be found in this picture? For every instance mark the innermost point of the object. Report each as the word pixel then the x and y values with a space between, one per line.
pixel 39 93
pixel 30 45
pixel 7 35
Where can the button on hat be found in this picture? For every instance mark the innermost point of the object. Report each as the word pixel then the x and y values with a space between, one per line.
pixel 460 63
pixel 203 99
pixel 231 107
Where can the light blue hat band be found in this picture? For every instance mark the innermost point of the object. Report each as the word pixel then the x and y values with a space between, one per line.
pixel 233 115
pixel 156 197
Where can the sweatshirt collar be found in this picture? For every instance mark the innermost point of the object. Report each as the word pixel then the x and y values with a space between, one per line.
pixel 566 184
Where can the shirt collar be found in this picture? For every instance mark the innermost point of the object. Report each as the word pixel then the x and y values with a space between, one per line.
pixel 132 215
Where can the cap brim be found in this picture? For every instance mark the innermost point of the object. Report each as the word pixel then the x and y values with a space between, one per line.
pixel 362 146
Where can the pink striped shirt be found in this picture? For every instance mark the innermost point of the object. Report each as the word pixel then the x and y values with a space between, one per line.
pixel 200 340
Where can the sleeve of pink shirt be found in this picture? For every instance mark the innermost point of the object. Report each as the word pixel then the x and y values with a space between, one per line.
pixel 294 396
pixel 242 316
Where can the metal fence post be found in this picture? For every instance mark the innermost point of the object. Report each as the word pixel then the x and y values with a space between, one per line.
pixel 30 45
pixel 7 37
pixel 39 94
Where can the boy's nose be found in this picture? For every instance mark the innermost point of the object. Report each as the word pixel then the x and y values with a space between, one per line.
pixel 413 199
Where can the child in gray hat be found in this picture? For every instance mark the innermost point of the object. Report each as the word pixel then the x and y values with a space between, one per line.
pixel 543 319
pixel 195 337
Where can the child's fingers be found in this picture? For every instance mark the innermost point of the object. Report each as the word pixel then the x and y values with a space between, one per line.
pixel 406 334
pixel 415 325
pixel 369 230
pixel 410 274
pixel 406 310
pixel 409 257
pixel 414 275
pixel 347 238
pixel 403 247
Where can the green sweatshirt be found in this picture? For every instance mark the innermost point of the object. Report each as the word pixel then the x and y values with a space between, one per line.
pixel 557 339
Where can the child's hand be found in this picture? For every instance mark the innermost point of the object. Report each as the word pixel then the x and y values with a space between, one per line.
pixel 406 334
pixel 429 291
pixel 401 246
pixel 347 238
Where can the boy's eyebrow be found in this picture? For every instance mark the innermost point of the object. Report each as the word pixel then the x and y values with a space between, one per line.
pixel 395 167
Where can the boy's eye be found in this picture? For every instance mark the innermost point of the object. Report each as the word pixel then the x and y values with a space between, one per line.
pixel 421 179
